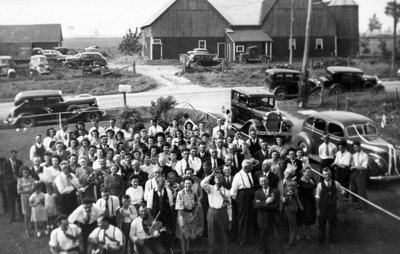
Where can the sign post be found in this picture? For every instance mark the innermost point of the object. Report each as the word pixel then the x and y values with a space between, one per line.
pixel 124 89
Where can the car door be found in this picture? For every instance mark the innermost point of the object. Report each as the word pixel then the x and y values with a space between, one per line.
pixel 357 82
pixel 319 128
pixel 336 132
pixel 292 83
pixel 243 111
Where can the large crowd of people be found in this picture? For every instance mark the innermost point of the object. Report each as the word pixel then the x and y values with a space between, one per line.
pixel 112 190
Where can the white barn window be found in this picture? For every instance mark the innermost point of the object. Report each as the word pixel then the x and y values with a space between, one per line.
pixel 202 44
pixel 239 49
pixel 293 43
pixel 319 44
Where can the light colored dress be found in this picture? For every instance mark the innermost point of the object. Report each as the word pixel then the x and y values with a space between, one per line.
pixel 36 201
pixel 50 204
pixel 189 224
pixel 25 188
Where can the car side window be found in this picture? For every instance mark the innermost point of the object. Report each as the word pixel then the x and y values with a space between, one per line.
pixel 310 121
pixel 37 101
pixel 320 124
pixel 335 130
pixel 296 77
pixel 278 76
pixel 53 100
pixel 242 99
pixel 235 97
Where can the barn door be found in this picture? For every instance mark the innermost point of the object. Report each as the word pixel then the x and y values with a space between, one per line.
pixel 221 50
pixel 156 51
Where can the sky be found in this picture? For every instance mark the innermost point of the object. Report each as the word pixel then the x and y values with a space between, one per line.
pixel 112 18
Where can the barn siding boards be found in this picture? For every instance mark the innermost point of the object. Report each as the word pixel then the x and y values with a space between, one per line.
pixel 281 47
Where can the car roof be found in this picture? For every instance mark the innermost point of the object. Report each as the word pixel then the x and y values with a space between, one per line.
pixel 253 91
pixel 38 56
pixel 345 117
pixel 334 69
pixel 281 70
pixel 37 93
pixel 5 57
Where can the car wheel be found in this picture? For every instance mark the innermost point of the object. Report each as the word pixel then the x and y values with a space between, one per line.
pixel 27 122
pixel 92 116
pixel 69 65
pixel 280 94
pixel 242 60
pixel 12 75
pixel 263 60
pixel 336 91
pixel 378 89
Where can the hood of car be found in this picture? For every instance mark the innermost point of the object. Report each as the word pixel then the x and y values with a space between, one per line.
pixel 80 100
pixel 369 77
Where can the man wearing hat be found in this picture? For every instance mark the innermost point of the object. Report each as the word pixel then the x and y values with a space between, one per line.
pixel 155 128
pixel 67 184
pixel 243 192
pixel 11 174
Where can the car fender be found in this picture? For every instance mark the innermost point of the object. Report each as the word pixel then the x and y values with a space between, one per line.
pixel 279 87
pixel 252 122
pixel 303 137
pixel 10 72
pixel 334 85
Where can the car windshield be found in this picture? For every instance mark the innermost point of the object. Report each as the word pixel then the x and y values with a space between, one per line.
pixel 4 61
pixel 367 129
pixel 261 102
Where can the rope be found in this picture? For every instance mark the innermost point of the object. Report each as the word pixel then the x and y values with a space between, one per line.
pixel 365 200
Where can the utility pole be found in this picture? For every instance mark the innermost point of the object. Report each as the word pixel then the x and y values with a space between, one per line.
pixel 394 34
pixel 291 34
pixel 305 56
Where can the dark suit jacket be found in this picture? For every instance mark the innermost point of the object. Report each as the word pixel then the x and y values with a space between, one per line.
pixel 240 158
pixel 268 215
pixel 205 157
pixel 226 184
pixel 220 162
pixel 10 176
pixel 273 179
pixel 260 157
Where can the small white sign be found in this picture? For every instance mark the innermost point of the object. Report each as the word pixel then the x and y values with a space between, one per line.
pixel 125 88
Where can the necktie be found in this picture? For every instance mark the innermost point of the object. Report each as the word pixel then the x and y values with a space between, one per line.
pixel 227 179
pixel 187 164
pixel 327 150
pixel 160 199
pixel 107 209
pixel 250 181
pixel 87 219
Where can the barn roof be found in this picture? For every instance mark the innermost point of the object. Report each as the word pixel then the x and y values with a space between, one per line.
pixel 255 35
pixel 31 33
pixel 236 12
pixel 342 3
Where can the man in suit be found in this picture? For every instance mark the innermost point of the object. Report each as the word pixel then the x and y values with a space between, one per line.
pixel 229 162
pixel 61 152
pixel 237 158
pixel 292 164
pixel 215 161
pixel 262 154
pixel 2 187
pixel 273 178
pixel 269 220
pixel 11 174
pixel 203 154
pixel 142 176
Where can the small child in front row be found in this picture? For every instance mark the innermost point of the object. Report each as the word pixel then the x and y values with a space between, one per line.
pixel 125 215
pixel 38 213
pixel 50 205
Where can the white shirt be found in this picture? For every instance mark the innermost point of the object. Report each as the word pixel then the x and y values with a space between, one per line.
pixel 49 174
pixel 339 189
pixel 360 159
pixel 223 127
pixel 181 167
pixel 113 204
pixel 80 215
pixel 101 131
pixel 150 196
pixel 135 194
pixel 58 238
pixel 241 180
pixel 128 214
pixel 137 231
pixel 195 163
pixel 65 184
pixel 332 149
pixel 148 169
pixel 154 130
pixel 217 198
pixel 33 150
pixel 62 136
pixel 343 158
pixel 148 187
pixel 99 235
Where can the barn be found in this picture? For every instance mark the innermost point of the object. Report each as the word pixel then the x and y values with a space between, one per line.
pixel 19 40
pixel 227 28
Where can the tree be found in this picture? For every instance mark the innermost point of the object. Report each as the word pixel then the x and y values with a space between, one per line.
pixel 374 23
pixel 393 10
pixel 130 44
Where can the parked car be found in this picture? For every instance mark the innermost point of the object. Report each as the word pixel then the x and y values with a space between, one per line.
pixel 339 79
pixel 256 109
pixel 201 57
pixel 39 65
pixel 48 106
pixel 65 51
pixel 87 59
pixel 340 125
pixel 7 67
pixel 252 54
pixel 54 55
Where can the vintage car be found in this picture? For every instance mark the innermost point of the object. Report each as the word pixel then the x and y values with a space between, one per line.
pixel 201 57
pixel 39 65
pixel 383 159
pixel 94 59
pixel 252 54
pixel 48 106
pixel 7 67
pixel 255 108
pixel 339 79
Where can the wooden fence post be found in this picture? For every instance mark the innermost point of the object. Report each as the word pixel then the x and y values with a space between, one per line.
pixel 184 66
pixel 134 68
pixel 223 65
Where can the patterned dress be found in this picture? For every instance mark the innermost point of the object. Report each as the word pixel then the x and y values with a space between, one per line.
pixel 36 201
pixel 50 204
pixel 189 224
pixel 25 188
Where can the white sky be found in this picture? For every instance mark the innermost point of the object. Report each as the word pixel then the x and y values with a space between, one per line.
pixel 88 18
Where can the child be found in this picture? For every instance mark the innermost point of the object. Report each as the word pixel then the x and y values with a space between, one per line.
pixel 25 187
pixel 38 213
pixel 135 192
pixel 50 206
pixel 126 214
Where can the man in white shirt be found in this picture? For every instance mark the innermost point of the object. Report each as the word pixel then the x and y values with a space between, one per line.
pixel 38 149
pixel 109 204
pixel 221 150
pixel 242 191
pixel 67 184
pixel 85 216
pixel 326 152
pixel 183 164
pixel 63 134
pixel 219 216
pixel 220 126
pixel 107 237
pixel 143 240
pixel 341 165
pixel 155 128
pixel 359 168
pixel 96 126
pixel 66 238
pixel 194 161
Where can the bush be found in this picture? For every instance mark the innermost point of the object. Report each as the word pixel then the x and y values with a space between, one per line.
pixel 130 114
pixel 162 106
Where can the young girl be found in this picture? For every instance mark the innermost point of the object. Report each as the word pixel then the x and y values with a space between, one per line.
pixel 135 192
pixel 126 214
pixel 39 215
pixel 25 188
pixel 50 206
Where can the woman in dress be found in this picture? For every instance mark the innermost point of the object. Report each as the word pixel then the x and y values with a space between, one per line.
pixel 188 223
pixel 83 173
pixel 38 213
pixel 50 136
pixel 306 188
pixel 280 146
pixel 25 187
pixel 172 129
pixel 244 147
pixel 73 146
pixel 95 137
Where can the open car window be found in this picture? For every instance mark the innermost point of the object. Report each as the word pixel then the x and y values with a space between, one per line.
pixel 367 129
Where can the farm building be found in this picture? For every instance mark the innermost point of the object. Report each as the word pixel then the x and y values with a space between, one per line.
pixel 19 40
pixel 227 28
